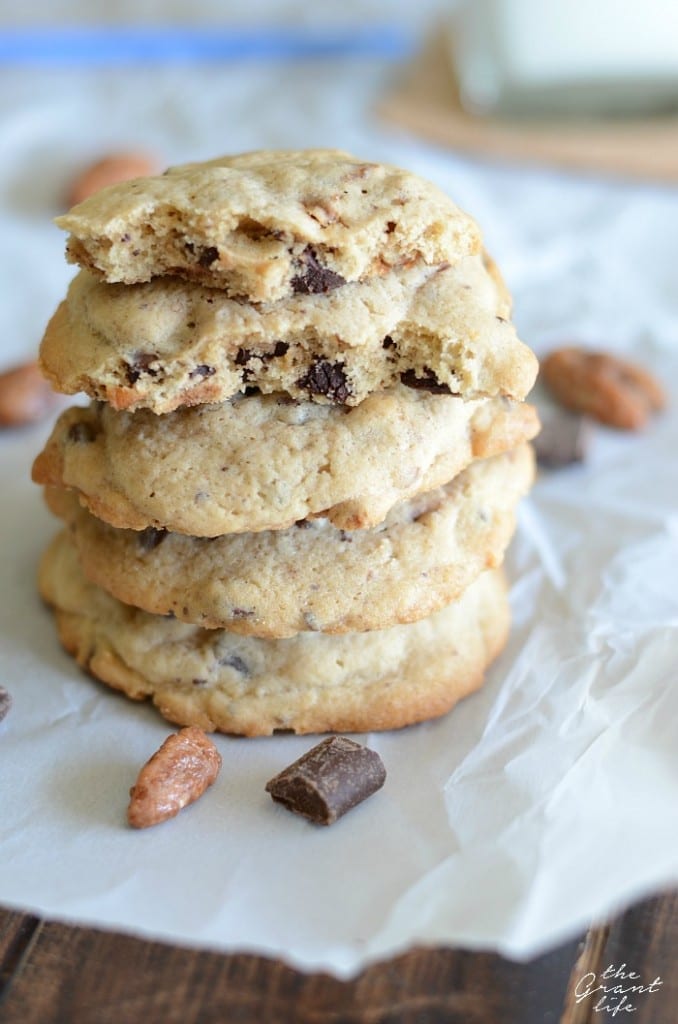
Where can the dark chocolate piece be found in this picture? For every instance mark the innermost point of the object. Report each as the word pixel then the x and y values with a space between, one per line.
pixel 388 342
pixel 328 379
pixel 141 364
pixel 329 780
pixel 563 440
pixel 235 662
pixel 208 256
pixel 313 278
pixel 281 348
pixel 429 382
pixel 5 702
pixel 150 538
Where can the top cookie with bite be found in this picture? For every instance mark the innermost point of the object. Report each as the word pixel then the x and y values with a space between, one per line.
pixel 267 225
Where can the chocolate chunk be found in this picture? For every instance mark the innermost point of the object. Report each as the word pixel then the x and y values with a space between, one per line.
pixel 150 538
pixel 5 702
pixel 208 256
pixel 328 379
pixel 234 661
pixel 243 356
pixel 563 440
pixel 81 433
pixel 388 342
pixel 142 363
pixel 203 371
pixel 429 382
pixel 242 613
pixel 313 278
pixel 328 780
pixel 281 348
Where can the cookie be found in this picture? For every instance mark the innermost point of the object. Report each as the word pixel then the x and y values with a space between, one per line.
pixel 309 683
pixel 168 343
pixel 268 225
pixel 263 462
pixel 314 577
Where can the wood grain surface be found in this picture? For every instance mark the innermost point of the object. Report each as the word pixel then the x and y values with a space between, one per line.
pixel 424 99
pixel 52 973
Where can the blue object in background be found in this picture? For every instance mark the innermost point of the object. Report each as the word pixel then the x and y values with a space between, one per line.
pixel 132 45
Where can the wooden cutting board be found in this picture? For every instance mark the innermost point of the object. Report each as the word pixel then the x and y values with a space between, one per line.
pixel 424 99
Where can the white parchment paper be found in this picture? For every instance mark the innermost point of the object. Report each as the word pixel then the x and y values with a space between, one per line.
pixel 543 801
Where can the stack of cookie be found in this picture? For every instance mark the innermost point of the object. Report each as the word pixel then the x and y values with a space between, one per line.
pixel 288 501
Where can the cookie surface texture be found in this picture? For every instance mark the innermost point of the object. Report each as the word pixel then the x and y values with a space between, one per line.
pixel 314 577
pixel 310 683
pixel 268 225
pixel 263 462
pixel 168 343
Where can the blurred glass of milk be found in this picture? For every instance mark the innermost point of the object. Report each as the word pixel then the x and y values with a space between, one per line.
pixel 566 56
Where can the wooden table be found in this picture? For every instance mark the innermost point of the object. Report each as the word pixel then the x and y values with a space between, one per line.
pixel 55 974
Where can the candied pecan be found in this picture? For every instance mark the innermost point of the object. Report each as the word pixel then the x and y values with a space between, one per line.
pixel 108 171
pixel 603 386
pixel 25 396
pixel 178 773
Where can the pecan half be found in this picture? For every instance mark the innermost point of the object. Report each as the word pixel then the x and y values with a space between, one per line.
pixel 25 396
pixel 109 171
pixel 178 773
pixel 603 386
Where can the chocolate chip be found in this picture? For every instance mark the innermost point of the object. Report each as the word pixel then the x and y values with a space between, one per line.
pixel 390 227
pixel 328 379
pixel 208 256
pixel 202 371
pixel 234 661
pixel 313 278
pixel 242 613
pixel 281 348
pixel 142 363
pixel 388 342
pixel 243 356
pixel 429 382
pixel 150 538
pixel 81 433
pixel 5 702
pixel 328 780
pixel 564 440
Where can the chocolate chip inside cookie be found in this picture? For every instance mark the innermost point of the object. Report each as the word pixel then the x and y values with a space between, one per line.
pixel 313 278
pixel 327 379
